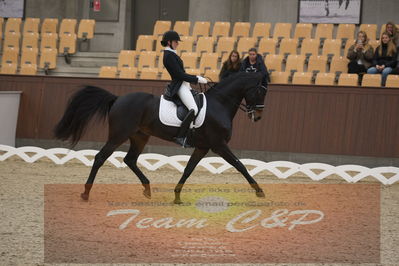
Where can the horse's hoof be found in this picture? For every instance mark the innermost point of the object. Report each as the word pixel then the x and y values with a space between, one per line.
pixel 147 193
pixel 84 196
pixel 177 201
pixel 260 194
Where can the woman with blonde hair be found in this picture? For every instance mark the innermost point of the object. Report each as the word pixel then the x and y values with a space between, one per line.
pixel 360 54
pixel 231 65
pixel 393 31
pixel 385 58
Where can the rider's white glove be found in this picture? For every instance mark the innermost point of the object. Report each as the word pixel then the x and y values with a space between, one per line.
pixel 202 80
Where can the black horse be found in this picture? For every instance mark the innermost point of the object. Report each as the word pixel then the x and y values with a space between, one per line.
pixel 135 117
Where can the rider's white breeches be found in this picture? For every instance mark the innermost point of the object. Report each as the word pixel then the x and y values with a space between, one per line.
pixel 186 97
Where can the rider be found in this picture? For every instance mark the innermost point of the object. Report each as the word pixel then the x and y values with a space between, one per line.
pixel 180 84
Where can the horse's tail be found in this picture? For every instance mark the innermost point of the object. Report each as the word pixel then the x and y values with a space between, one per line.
pixel 81 108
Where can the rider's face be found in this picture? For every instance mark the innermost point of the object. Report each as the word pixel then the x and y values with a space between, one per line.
pixel 174 44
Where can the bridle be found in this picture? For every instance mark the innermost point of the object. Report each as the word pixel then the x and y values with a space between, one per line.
pixel 247 108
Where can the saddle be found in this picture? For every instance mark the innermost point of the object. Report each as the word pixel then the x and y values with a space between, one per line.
pixel 181 109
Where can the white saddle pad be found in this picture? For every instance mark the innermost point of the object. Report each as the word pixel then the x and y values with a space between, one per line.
pixel 168 116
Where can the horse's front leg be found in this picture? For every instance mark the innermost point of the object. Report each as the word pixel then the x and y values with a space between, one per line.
pixel 225 152
pixel 195 158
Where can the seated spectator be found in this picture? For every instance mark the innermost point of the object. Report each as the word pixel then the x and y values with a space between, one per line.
pixel 360 54
pixel 231 65
pixel 385 57
pixel 254 63
pixel 393 31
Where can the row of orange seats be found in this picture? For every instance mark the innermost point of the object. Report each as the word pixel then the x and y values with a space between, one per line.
pixel 263 29
pixel 330 79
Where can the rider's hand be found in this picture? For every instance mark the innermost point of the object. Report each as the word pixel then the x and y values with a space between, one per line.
pixel 202 80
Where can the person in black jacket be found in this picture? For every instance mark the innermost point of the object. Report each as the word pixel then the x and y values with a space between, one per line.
pixel 231 65
pixel 254 63
pixel 384 58
pixel 180 84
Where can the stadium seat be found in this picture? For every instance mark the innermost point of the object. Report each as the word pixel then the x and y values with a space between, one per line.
pixel 126 58
pixel 277 77
pixel 67 44
pixel 48 59
pixel 160 27
pixel 149 73
pixel 225 45
pixel 267 46
pixel 182 27
pixel 324 31
pixel 146 60
pixel 244 44
pixel 193 71
pixel 302 78
pixel 29 56
pixel 30 40
pixel 212 74
pixel 11 39
pixel 189 59
pixel 339 64
pixel 370 30
pixel 392 81
pixel 108 72
pixel 348 44
pixel 303 31
pixel 295 63
pixel 28 69
pixel 86 29
pixel 273 62
pixel 49 40
pixel 201 28
pixel 31 25
pixel 13 25
pixel 310 47
pixel 348 79
pixel 317 63
pixel 220 29
pixel 261 30
pixel 145 43
pixel 165 74
pixel 325 79
pixel 346 31
pixel 10 56
pixel 68 26
pixel 186 45
pixel 158 46
pixel 205 45
pixel 241 29
pixel 288 46
pixel 371 80
pixel 332 47
pixel 49 25
pixel 8 68
pixel 282 30
pixel 1 26
pixel 208 61
pixel 128 73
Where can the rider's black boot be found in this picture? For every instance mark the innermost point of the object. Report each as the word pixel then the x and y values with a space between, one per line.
pixel 181 137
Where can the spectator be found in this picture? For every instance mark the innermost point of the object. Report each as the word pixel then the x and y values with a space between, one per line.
pixel 393 31
pixel 254 63
pixel 231 65
pixel 384 58
pixel 360 54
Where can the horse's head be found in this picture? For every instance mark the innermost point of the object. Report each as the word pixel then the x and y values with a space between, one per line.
pixel 255 96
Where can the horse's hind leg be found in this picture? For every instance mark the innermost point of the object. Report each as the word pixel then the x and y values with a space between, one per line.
pixel 137 143
pixel 225 152
pixel 195 158
pixel 99 160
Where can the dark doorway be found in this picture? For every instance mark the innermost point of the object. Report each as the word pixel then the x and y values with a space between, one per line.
pixel 146 12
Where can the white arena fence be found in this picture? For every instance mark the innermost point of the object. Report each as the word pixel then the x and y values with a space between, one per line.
pixel 315 171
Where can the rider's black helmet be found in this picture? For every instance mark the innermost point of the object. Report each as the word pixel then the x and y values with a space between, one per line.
pixel 170 35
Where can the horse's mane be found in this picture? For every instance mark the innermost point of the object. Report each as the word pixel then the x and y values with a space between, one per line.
pixel 227 82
